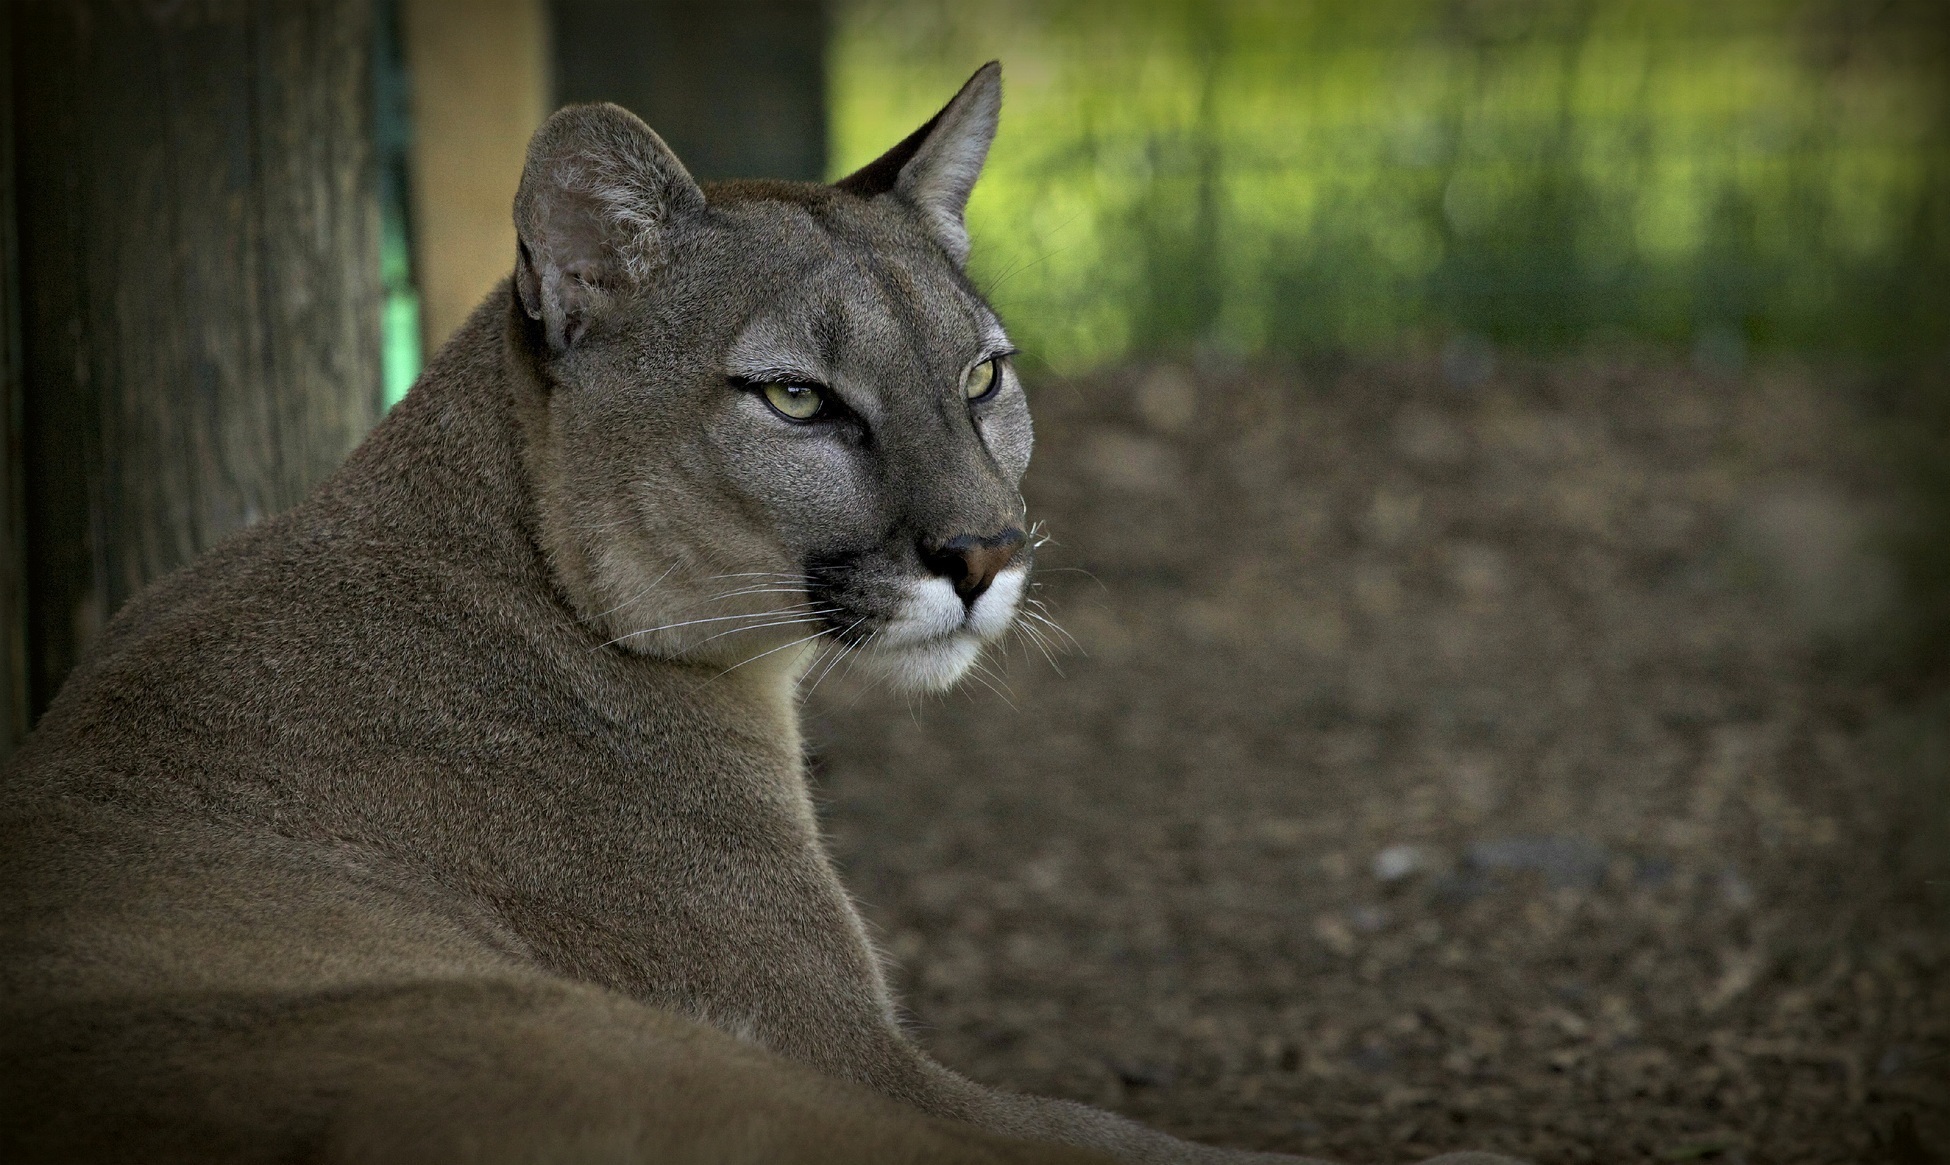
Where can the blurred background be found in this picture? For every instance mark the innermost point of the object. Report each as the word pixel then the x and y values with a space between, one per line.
pixel 1497 685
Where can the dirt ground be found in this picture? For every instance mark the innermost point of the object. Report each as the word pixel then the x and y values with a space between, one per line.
pixel 1454 757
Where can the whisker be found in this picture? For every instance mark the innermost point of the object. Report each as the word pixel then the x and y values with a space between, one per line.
pixel 808 617
pixel 755 574
pixel 1022 265
pixel 774 651
pixel 652 585
pixel 1053 625
pixel 1030 635
pixel 693 623
pixel 1073 570
pixel 979 667
pixel 828 651
pixel 777 576
pixel 763 590
pixel 1048 647
pixel 977 672
pixel 1073 644
pixel 853 660
pixel 844 649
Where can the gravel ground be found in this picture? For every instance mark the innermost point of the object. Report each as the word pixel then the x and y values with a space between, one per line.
pixel 1454 757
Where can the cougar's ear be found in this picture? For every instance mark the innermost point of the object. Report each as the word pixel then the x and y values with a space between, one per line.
pixel 935 167
pixel 598 193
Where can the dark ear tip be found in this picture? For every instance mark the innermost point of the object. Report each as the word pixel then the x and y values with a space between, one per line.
pixel 987 80
pixel 982 91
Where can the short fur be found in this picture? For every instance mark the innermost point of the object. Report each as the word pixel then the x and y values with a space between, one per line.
pixel 459 813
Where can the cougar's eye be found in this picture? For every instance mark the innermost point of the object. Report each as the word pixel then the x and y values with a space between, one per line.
pixel 980 380
pixel 794 402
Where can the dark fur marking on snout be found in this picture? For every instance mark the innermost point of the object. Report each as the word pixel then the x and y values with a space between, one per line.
pixel 828 579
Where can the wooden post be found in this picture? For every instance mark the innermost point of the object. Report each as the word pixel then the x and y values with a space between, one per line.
pixel 15 700
pixel 198 256
pixel 737 87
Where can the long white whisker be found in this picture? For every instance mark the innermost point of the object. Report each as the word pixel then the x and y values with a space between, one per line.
pixel 844 648
pixel 652 585
pixel 811 617
pixel 764 590
pixel 1030 635
pixel 693 623
pixel 829 650
pixel 979 665
pixel 1053 625
pixel 1049 648
pixel 976 672
pixel 853 660
pixel 774 651
pixel 777 576
pixel 754 574
pixel 1050 623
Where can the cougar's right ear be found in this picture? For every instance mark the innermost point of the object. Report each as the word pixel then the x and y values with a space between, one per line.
pixel 597 192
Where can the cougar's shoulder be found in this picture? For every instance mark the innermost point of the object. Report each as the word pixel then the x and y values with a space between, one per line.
pixel 291 628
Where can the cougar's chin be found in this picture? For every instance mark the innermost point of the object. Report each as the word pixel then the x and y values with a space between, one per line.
pixel 929 666
pixel 933 639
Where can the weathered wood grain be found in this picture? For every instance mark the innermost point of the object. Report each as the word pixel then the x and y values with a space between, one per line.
pixel 14 706
pixel 199 262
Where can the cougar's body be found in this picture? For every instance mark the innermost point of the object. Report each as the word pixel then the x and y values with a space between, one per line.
pixel 355 804
pixel 459 813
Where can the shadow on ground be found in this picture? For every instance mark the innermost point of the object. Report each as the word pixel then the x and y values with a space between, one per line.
pixel 1466 760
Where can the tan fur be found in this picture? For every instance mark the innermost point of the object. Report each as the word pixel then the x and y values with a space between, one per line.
pixel 400 828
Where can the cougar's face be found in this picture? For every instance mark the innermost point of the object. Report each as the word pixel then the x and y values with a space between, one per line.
pixel 771 421
pixel 800 441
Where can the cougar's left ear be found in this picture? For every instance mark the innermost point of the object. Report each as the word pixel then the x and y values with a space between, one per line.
pixel 599 194
pixel 935 167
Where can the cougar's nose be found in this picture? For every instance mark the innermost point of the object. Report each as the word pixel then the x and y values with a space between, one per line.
pixel 971 562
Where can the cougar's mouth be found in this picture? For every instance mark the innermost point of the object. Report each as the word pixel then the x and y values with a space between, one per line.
pixel 931 636
pixel 930 610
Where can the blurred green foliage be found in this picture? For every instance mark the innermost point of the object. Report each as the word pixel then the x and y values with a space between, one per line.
pixel 1250 176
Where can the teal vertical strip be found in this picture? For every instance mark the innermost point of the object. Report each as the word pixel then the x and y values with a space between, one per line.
pixel 400 326
pixel 400 354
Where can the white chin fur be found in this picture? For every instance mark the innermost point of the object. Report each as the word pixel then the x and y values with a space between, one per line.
pixel 934 640
pixel 996 609
pixel 923 667
pixel 929 610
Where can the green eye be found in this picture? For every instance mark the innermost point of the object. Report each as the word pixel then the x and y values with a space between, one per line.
pixel 980 380
pixel 794 402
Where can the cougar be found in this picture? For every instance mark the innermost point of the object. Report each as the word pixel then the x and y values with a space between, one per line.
pixel 459 813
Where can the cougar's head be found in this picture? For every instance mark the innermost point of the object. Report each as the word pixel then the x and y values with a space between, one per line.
pixel 768 420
